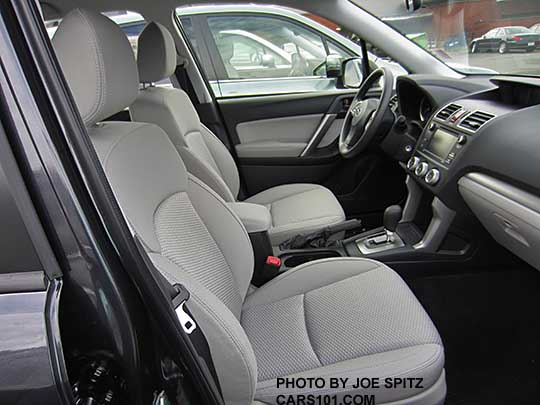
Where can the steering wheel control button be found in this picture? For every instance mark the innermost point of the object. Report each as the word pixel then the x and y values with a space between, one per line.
pixel 433 177
pixel 462 140
pixel 422 169
pixel 413 162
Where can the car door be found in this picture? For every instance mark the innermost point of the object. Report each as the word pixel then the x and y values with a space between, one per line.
pixel 282 113
pixel 496 39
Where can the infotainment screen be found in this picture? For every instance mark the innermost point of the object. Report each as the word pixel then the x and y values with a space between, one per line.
pixel 441 143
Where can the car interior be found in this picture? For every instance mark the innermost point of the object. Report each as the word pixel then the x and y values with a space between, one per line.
pixel 398 240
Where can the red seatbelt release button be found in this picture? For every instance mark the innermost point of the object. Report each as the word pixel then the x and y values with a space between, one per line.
pixel 273 261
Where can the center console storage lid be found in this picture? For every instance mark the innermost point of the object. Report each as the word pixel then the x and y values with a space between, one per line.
pixel 255 217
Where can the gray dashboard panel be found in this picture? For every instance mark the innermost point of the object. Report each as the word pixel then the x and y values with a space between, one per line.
pixel 511 215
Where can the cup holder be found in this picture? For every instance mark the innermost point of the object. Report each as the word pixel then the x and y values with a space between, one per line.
pixel 296 259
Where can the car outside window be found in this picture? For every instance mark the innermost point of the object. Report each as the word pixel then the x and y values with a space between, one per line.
pixel 248 53
pixel 265 47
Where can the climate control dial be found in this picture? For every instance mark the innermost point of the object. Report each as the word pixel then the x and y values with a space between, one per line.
pixel 413 163
pixel 433 177
pixel 422 169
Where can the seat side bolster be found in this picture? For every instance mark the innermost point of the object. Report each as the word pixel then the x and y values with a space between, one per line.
pixel 223 159
pixel 231 350
pixel 226 229
pixel 206 174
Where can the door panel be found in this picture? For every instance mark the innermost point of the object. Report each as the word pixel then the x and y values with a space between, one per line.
pixel 276 137
pixel 284 127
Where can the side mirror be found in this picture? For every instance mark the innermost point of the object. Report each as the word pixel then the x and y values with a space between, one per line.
pixel 334 66
pixel 413 5
pixel 353 75
pixel 268 61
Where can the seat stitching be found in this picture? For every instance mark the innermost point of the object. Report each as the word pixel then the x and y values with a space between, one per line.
pixel 193 179
pixel 119 140
pixel 98 63
pixel 314 263
pixel 307 329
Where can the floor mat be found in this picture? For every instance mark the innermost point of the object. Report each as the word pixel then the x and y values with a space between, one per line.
pixel 490 326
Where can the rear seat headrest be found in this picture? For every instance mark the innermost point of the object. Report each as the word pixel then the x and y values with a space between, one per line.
pixel 98 64
pixel 156 53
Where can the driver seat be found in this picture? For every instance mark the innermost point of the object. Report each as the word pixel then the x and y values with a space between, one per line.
pixel 294 208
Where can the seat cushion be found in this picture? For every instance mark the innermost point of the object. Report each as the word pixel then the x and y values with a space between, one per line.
pixel 345 317
pixel 299 208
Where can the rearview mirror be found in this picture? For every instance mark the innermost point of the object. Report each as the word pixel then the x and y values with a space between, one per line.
pixel 413 5
pixel 353 75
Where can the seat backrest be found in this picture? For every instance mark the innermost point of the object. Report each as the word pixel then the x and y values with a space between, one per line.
pixel 189 232
pixel 203 153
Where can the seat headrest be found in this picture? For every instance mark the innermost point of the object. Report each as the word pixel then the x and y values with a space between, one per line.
pixel 98 64
pixel 156 53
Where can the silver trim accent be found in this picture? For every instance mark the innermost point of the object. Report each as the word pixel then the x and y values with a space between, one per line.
pixel 422 169
pixel 432 177
pixel 471 113
pixel 446 106
pixel 414 197
pixel 318 135
pixel 394 243
pixel 413 163
pixel 438 227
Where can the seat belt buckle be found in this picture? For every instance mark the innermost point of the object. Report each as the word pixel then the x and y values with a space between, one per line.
pixel 273 261
pixel 179 302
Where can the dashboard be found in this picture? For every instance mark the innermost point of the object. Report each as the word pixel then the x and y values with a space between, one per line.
pixel 479 150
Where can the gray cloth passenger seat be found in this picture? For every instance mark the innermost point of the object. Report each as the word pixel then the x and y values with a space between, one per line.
pixel 294 208
pixel 344 317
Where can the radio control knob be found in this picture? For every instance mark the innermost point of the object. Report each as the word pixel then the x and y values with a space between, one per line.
pixel 413 163
pixel 421 169
pixel 433 177
pixel 462 140
pixel 432 127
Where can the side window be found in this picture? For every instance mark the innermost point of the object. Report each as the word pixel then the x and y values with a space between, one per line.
pixel 261 47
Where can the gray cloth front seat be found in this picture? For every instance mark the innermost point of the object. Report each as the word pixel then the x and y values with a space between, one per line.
pixel 342 317
pixel 294 208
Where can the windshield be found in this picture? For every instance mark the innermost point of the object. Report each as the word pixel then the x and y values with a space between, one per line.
pixel 470 36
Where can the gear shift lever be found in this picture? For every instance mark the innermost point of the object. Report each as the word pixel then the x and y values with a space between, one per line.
pixel 391 218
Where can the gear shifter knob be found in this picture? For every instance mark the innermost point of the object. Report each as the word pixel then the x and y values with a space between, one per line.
pixel 392 216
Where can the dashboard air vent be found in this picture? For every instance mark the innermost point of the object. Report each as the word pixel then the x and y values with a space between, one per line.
pixel 475 120
pixel 393 103
pixel 448 111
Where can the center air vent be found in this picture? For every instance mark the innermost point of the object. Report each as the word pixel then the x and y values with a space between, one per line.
pixel 448 111
pixel 475 120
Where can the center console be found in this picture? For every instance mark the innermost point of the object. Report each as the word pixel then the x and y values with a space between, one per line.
pixel 443 141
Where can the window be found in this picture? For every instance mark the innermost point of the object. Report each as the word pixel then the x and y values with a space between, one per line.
pixel 265 47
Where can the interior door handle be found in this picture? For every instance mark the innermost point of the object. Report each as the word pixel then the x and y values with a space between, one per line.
pixel 318 135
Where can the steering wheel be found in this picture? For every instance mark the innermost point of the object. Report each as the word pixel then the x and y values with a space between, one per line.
pixel 365 115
